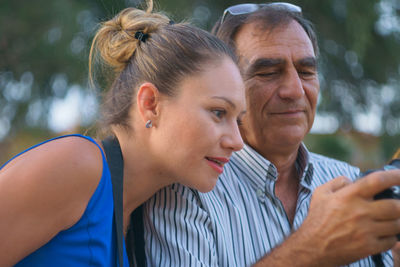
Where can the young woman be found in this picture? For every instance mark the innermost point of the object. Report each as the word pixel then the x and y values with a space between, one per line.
pixel 174 103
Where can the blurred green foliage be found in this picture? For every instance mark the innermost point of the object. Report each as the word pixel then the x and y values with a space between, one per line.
pixel 44 52
pixel 364 151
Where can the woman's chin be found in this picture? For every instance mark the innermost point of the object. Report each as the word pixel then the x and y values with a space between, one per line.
pixel 207 187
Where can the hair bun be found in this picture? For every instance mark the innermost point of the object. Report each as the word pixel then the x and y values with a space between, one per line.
pixel 116 42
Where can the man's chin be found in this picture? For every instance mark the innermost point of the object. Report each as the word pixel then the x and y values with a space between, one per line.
pixel 288 138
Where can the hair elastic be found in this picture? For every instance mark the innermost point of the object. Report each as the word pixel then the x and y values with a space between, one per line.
pixel 141 36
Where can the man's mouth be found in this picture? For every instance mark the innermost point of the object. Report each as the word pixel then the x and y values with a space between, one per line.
pixel 292 111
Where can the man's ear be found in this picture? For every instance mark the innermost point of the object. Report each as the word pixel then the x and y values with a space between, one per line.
pixel 148 101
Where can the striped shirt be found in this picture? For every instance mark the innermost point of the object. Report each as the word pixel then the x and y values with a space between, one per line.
pixel 240 220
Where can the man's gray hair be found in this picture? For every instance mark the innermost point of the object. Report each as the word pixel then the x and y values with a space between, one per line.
pixel 268 19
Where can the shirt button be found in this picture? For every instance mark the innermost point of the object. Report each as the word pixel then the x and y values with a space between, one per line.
pixel 260 193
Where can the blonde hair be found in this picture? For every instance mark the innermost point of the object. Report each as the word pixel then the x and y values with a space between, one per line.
pixel 115 39
pixel 170 52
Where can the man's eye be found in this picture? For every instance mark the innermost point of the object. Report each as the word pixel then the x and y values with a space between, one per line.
pixel 219 113
pixel 266 74
pixel 306 73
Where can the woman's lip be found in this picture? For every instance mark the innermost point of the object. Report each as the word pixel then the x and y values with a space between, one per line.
pixel 223 160
pixel 218 168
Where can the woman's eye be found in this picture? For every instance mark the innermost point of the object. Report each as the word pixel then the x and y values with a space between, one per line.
pixel 239 121
pixel 219 113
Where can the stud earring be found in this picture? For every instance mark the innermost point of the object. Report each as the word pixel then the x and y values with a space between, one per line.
pixel 149 124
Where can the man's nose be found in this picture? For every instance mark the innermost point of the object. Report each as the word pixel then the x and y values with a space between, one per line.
pixel 291 86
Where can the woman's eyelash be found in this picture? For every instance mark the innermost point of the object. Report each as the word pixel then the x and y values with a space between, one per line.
pixel 219 113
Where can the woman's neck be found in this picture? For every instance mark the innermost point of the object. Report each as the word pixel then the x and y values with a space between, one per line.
pixel 143 177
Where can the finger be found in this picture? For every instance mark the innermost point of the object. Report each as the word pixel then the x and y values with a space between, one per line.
pixel 386 228
pixel 376 182
pixel 385 209
pixel 396 247
pixel 385 243
pixel 374 245
pixel 335 184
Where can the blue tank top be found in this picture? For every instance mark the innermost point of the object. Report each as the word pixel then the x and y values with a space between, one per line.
pixel 92 240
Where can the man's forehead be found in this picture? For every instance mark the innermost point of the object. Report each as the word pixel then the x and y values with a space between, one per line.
pixel 254 41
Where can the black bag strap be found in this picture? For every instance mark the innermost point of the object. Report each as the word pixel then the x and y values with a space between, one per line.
pixel 116 165
pixel 135 238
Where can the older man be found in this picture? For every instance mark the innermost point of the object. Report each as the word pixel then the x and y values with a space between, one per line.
pixel 264 194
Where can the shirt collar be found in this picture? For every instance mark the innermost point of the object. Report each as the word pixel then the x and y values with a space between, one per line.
pixel 259 170
pixel 304 167
pixel 254 166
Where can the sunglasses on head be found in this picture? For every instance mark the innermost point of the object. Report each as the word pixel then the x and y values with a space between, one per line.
pixel 250 8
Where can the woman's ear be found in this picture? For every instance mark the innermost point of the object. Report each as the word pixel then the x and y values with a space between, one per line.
pixel 148 101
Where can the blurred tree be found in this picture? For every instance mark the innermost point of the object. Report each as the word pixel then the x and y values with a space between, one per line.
pixel 42 46
pixel 360 59
pixel 44 51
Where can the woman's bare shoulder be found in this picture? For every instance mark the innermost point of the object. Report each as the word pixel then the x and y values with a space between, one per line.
pixel 45 191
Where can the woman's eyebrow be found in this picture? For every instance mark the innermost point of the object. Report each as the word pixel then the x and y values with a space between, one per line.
pixel 226 100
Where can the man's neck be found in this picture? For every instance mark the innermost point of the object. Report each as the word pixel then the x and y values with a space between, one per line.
pixel 283 160
pixel 286 189
pixel 287 185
